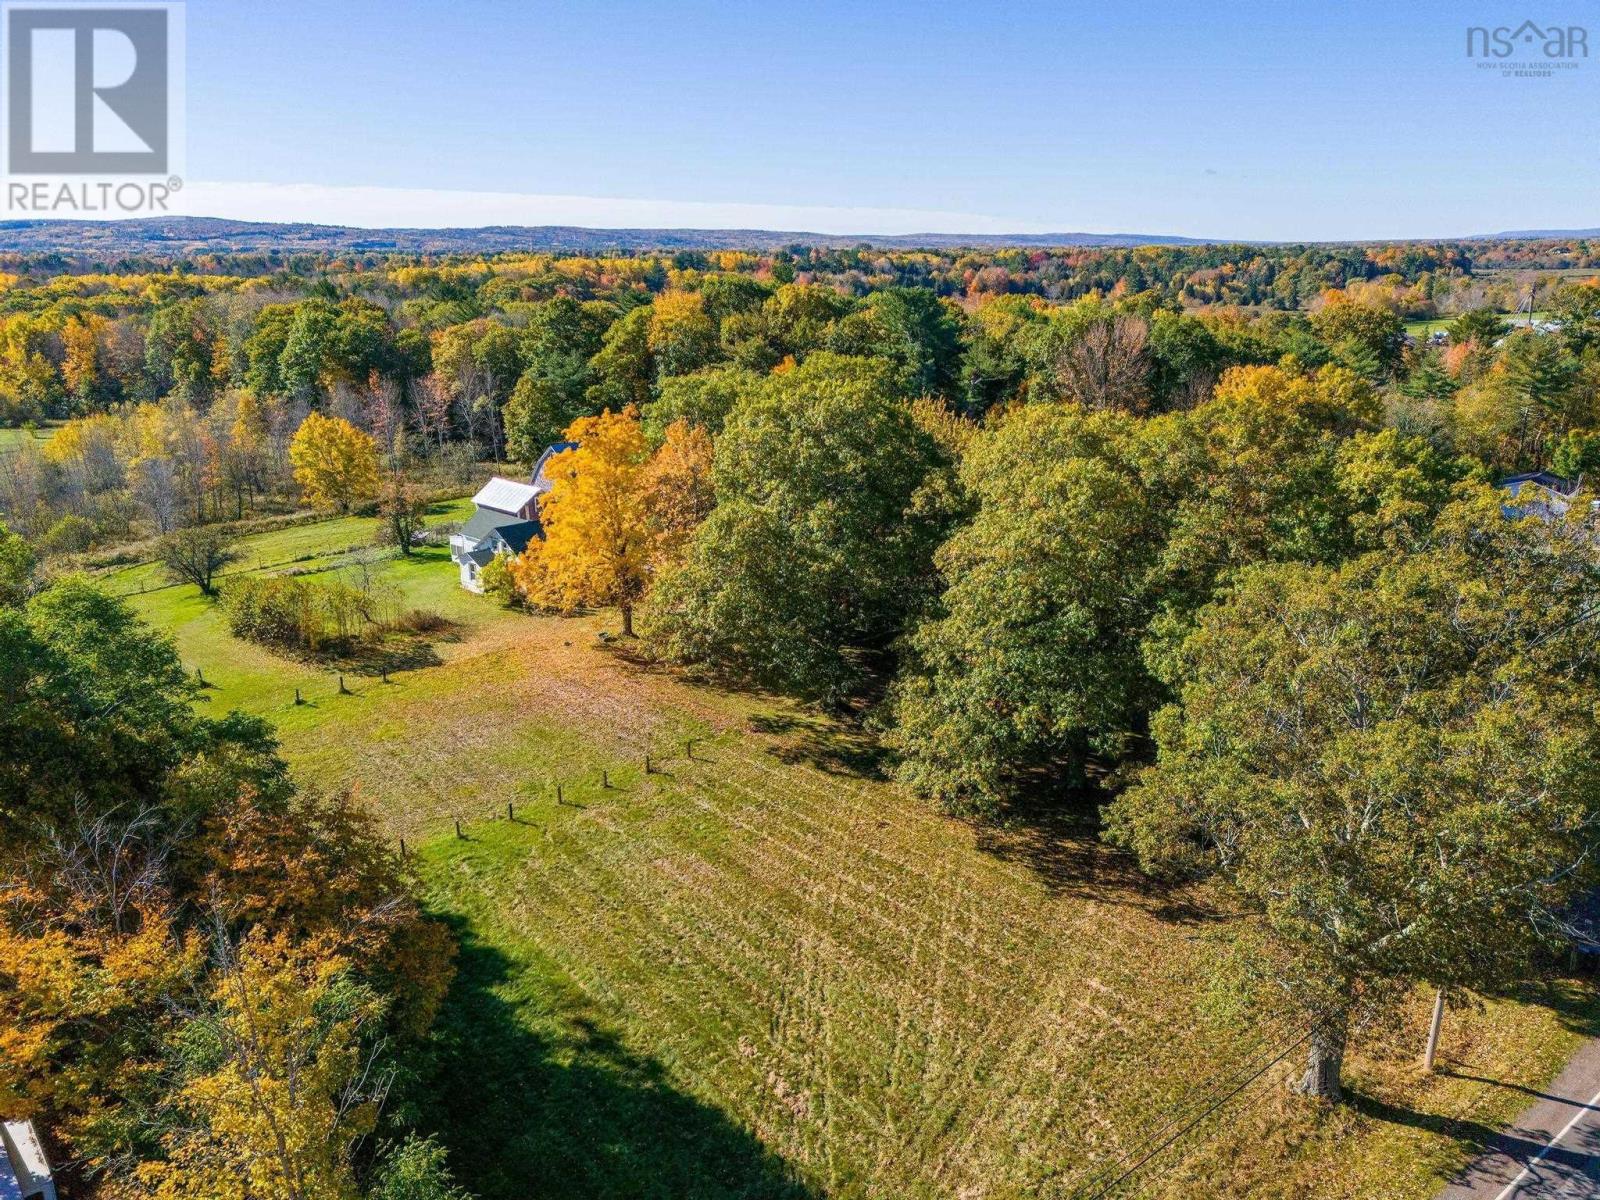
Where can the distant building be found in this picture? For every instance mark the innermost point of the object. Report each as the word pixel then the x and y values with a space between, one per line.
pixel 1538 494
pixel 24 1170
pixel 505 520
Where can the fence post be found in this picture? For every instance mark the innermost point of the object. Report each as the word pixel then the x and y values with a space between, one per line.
pixel 458 826
pixel 402 847
pixel 688 748
pixel 511 810
pixel 605 779
pixel 559 800
pixel 343 691
pixel 647 764
pixel 297 698
pixel 1432 1050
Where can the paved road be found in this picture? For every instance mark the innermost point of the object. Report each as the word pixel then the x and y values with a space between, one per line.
pixel 1553 1150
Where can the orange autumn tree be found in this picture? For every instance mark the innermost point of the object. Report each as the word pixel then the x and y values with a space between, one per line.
pixel 597 538
pixel 678 491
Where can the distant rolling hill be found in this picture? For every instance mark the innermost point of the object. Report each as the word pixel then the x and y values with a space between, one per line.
pixel 172 237
pixel 187 235
pixel 1539 235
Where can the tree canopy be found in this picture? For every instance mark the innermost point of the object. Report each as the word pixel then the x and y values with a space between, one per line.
pixel 1394 760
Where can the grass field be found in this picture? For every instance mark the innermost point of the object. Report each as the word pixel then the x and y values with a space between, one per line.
pixel 762 971
pixel 1430 325
pixel 12 437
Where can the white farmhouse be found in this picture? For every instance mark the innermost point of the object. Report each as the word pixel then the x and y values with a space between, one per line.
pixel 24 1170
pixel 505 521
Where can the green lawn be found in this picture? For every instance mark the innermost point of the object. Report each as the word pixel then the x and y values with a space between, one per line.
pixel 248 677
pixel 761 971
pixel 12 437
pixel 1423 328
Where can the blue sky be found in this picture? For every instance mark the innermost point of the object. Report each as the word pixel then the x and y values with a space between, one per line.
pixel 1285 120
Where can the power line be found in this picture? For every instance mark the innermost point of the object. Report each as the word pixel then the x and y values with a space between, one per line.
pixel 1112 1186
pixel 1275 1030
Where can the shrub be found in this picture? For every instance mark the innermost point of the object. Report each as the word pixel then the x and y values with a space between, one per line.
pixel 418 620
pixel 70 535
pixel 499 582
pixel 281 610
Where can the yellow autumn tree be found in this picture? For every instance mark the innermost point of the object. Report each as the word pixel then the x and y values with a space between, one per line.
pixel 290 1094
pixel 334 462
pixel 597 542
pixel 83 1001
pixel 81 364
pixel 682 335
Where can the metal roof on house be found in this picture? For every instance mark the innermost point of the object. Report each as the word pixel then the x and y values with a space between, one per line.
pixel 505 495
pixel 1545 479
pixel 515 534
pixel 518 535
pixel 488 520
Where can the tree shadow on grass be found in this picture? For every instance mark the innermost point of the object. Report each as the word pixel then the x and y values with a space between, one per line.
pixel 836 747
pixel 534 1096
pixel 1059 840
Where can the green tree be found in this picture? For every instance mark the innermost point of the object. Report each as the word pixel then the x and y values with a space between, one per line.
pixel 1364 338
pixel 560 339
pixel 911 328
pixel 307 343
pixel 1577 454
pixel 1482 325
pixel 402 512
pixel 1251 475
pixel 1541 376
pixel 1031 657
pixel 726 295
pixel 1577 308
pixel 819 477
pixel 415 1170
pixel 624 366
pixel 704 399
pixel 96 713
pixel 195 555
pixel 17 563
pixel 1402 798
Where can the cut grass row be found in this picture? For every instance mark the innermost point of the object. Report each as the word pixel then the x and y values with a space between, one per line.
pixel 744 974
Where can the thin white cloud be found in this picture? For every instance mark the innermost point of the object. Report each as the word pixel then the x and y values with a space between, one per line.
pixel 382 207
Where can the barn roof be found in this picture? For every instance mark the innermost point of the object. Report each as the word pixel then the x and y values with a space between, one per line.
pixel 505 495
pixel 541 481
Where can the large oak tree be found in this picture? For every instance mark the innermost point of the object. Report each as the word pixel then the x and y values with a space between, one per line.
pixel 1395 762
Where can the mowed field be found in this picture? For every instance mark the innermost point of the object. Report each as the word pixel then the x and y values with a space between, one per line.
pixel 13 437
pixel 1429 325
pixel 760 970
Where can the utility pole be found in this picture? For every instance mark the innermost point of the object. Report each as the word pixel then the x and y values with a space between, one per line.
pixel 1433 1032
